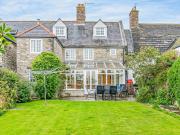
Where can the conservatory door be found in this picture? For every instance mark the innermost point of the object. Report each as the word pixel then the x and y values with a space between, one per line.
pixel 90 79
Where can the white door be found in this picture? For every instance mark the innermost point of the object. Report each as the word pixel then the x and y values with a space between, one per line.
pixel 90 79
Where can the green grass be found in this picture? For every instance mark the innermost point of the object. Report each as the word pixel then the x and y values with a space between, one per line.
pixel 87 118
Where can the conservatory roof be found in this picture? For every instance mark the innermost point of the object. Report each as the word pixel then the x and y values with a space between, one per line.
pixel 79 65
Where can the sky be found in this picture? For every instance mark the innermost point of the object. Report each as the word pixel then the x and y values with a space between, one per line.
pixel 151 11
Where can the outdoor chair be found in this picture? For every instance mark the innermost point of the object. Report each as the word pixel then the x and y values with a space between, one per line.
pixel 121 90
pixel 124 91
pixel 99 91
pixel 113 91
pixel 107 92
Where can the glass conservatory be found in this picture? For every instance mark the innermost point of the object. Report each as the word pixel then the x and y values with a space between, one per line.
pixel 87 75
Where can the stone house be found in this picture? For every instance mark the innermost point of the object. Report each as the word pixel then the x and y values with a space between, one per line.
pixel 157 35
pixel 94 50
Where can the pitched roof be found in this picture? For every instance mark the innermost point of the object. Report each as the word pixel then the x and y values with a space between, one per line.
pixel 160 36
pixel 39 30
pixel 78 35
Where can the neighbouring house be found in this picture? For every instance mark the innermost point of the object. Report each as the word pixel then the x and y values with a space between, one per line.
pixel 160 36
pixel 94 50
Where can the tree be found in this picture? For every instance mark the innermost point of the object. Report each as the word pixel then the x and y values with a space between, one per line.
pixel 144 65
pixel 151 70
pixel 174 81
pixel 5 37
pixel 48 61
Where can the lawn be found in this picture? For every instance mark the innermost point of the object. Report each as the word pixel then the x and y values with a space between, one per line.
pixel 87 118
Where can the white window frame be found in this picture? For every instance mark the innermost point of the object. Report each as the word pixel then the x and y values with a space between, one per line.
pixel 72 56
pixel 100 31
pixel 87 55
pixel 40 48
pixel 113 53
pixel 60 31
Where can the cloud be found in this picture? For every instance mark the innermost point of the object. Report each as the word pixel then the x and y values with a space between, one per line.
pixel 151 11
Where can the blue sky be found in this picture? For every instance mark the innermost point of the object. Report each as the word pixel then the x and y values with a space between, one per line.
pixel 151 11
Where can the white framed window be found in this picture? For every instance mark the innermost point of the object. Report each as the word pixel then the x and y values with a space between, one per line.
pixel 70 54
pixel 100 31
pixel 36 45
pixel 88 54
pixel 112 52
pixel 60 31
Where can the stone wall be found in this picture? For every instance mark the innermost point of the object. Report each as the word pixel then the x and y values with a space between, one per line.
pixel 8 60
pixel 101 54
pixel 25 58
pixel 58 50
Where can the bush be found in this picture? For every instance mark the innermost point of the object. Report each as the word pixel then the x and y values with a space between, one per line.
pixel 145 95
pixel 8 87
pixel 7 96
pixel 174 81
pixel 14 88
pixel 48 61
pixel 163 97
pixel 23 92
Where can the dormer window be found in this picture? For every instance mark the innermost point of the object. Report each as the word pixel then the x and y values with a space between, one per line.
pixel 60 29
pixel 100 30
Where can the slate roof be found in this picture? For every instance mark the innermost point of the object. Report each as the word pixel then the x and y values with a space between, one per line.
pixel 160 36
pixel 39 30
pixel 129 39
pixel 78 35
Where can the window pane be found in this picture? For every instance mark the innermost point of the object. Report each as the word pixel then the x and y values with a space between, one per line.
pixel 88 54
pixel 79 81
pixel 36 45
pixel 100 31
pixel 70 54
pixel 60 31
pixel 70 81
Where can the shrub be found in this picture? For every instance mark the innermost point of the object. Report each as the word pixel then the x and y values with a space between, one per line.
pixel 163 97
pixel 9 81
pixel 174 81
pixel 17 89
pixel 7 96
pixel 145 95
pixel 23 92
pixel 48 61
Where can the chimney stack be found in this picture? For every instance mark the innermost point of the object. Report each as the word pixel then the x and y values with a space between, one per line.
pixel 81 13
pixel 134 18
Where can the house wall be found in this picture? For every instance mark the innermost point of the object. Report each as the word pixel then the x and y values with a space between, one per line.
pixel 8 60
pixel 58 50
pixel 25 58
pixel 101 54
